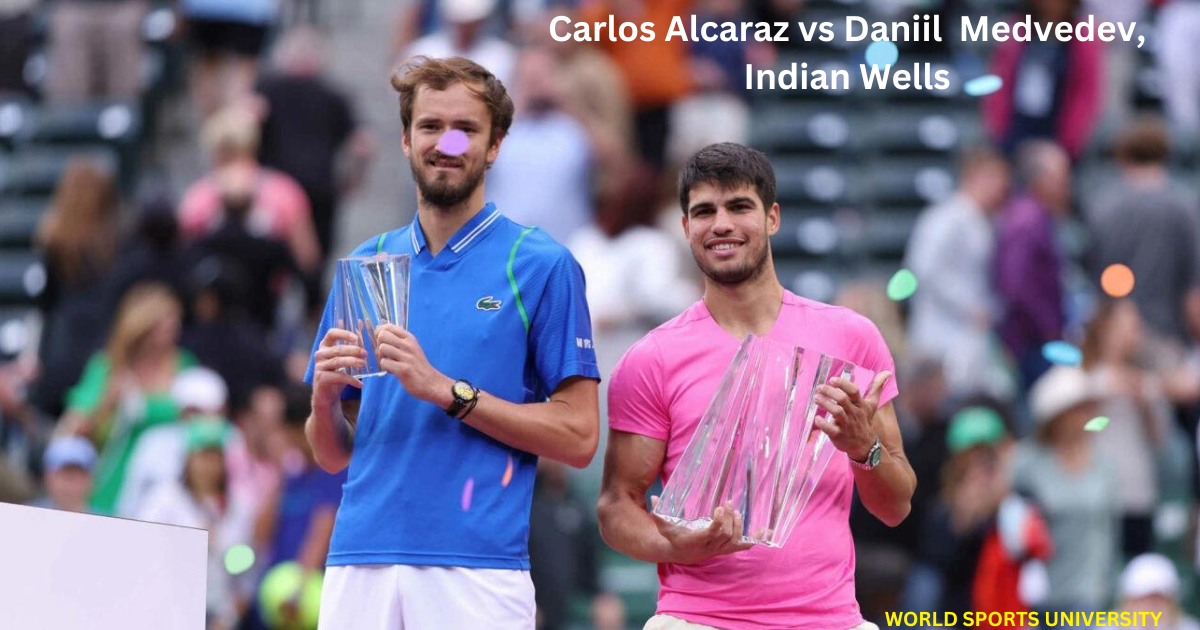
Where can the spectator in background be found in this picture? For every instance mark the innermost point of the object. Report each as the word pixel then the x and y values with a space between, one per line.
pixel 19 422
pixel 1175 30
pixel 77 238
pixel 1150 584
pixel 95 50
pixel 228 38
pixel 563 550
pixel 152 253
pixel 592 89
pixel 556 195
pixel 278 208
pixel 252 455
pixel 1139 414
pixel 308 125
pixel 719 109
pixel 201 498
pixel 972 483
pixel 68 463
pixel 1146 206
pixel 199 394
pixel 265 263
pixel 1120 57
pixel 1075 488
pixel 656 72
pixel 1028 263
pixel 1052 90
pixel 16 42
pixel 224 336
pixel 125 389
pixel 951 250
pixel 462 34
pixel 296 522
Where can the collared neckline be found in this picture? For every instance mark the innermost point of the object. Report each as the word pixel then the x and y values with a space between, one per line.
pixel 464 237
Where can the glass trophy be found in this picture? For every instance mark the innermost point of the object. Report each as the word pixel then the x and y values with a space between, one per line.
pixel 757 448
pixel 373 291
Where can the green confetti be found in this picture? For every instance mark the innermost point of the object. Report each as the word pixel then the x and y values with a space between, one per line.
pixel 902 285
pixel 239 559
pixel 1096 424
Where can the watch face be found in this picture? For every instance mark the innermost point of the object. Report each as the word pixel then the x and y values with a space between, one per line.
pixel 875 456
pixel 463 391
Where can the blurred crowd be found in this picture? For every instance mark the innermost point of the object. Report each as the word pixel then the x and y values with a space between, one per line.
pixel 172 329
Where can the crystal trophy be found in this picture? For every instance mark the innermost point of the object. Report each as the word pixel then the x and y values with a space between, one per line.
pixel 373 290
pixel 757 449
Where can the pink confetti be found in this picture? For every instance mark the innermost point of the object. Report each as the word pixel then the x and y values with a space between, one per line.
pixel 468 488
pixel 507 474
pixel 453 143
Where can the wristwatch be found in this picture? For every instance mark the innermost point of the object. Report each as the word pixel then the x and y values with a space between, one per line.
pixel 874 456
pixel 465 397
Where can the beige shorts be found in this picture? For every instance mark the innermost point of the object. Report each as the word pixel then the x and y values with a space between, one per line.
pixel 667 622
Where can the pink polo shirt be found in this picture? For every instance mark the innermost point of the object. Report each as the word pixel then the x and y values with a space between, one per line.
pixel 661 389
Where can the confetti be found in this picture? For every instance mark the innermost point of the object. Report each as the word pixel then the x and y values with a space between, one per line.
pixel 468 489
pixel 1096 424
pixel 1062 353
pixel 882 53
pixel 453 143
pixel 1117 281
pixel 507 474
pixel 239 559
pixel 984 85
pixel 902 285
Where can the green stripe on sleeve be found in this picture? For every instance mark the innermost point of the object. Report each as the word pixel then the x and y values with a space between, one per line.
pixel 512 280
pixel 379 243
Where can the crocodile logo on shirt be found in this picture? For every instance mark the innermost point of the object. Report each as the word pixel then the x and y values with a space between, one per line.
pixel 486 303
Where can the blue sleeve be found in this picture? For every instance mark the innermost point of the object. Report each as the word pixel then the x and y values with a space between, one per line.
pixel 348 393
pixel 560 331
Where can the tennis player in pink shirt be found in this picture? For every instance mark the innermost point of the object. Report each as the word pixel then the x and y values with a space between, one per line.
pixel 660 389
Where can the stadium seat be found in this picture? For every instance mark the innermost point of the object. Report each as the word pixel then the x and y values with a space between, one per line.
pixel 815 182
pixel 22 278
pixel 795 128
pixel 910 183
pixel 16 121
pixel 887 233
pixel 920 130
pixel 18 327
pixel 34 171
pixel 19 220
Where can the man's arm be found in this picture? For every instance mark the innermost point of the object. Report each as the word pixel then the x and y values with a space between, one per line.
pixel 331 435
pixel 887 490
pixel 630 466
pixel 330 426
pixel 853 424
pixel 565 429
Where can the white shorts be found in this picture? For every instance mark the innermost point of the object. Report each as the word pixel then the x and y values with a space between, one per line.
pixel 403 597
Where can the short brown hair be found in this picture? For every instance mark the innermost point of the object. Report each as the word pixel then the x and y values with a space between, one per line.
pixel 728 165
pixel 1144 142
pixel 439 74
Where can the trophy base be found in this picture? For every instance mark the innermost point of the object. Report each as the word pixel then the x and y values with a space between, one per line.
pixel 695 524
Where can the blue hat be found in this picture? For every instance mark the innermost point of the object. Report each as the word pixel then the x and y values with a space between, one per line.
pixel 69 450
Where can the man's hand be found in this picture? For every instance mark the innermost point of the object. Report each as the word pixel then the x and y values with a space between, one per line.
pixel 331 357
pixel 400 355
pixel 850 424
pixel 693 546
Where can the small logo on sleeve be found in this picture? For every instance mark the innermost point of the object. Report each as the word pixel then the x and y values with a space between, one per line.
pixel 487 303
pixel 586 344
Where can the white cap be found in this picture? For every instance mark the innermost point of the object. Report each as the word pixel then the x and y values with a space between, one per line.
pixel 1059 389
pixel 458 11
pixel 201 389
pixel 1149 574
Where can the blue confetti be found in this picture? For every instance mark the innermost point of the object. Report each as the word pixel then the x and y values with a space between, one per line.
pixel 984 85
pixel 882 54
pixel 1062 353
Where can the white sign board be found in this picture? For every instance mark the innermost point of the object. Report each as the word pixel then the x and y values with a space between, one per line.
pixel 68 571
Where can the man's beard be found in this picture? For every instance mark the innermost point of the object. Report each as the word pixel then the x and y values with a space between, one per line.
pixel 733 276
pixel 443 194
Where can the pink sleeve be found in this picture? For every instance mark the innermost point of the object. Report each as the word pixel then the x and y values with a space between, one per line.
pixel 289 200
pixel 876 356
pixel 635 393
pixel 198 209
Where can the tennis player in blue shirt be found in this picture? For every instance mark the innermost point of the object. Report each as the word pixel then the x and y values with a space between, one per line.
pixel 495 369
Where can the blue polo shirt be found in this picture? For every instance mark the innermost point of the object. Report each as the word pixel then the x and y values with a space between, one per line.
pixel 502 306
